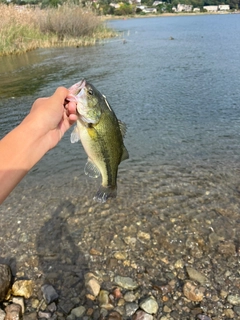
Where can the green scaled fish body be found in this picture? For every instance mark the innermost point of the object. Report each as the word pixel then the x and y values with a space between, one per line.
pixel 101 134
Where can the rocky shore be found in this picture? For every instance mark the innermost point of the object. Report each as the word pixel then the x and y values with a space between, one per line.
pixel 170 252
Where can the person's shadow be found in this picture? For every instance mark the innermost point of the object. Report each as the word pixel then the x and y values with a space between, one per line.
pixel 61 263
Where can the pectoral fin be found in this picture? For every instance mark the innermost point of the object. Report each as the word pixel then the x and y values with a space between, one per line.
pixel 91 170
pixel 75 135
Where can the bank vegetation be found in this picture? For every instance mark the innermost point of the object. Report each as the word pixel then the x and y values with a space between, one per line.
pixel 26 28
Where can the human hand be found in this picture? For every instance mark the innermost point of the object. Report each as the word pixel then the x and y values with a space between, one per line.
pixel 53 116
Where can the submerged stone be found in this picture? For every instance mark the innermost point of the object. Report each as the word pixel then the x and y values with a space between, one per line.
pixel 5 280
pixel 49 293
pixel 141 315
pixel 13 312
pixel 192 292
pixel 23 288
pixel 196 275
pixel 149 305
pixel 126 282
pixel 234 299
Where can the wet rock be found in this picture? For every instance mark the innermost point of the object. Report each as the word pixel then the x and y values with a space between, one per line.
pixel 78 312
pixel 192 292
pixel 166 309
pixel 20 301
pixel 229 313
pixel 196 276
pixel 35 303
pixel 130 241
pixel 234 299
pixel 104 300
pixel 13 312
pixel 52 307
pixel 237 310
pixel 203 317
pixel 117 293
pixel 130 308
pixel 103 297
pixel 120 255
pixel 149 305
pixel 43 314
pixel 23 288
pixel 95 252
pixel 141 315
pixel 2 315
pixel 5 280
pixel 179 264
pixel 30 316
pixel 143 236
pixel 227 249
pixel 92 285
pixel 114 315
pixel 125 282
pixel 49 293
pixel 129 296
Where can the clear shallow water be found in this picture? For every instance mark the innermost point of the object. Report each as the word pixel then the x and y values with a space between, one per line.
pixel 180 101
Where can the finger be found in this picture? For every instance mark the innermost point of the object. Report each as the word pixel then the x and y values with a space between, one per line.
pixel 60 94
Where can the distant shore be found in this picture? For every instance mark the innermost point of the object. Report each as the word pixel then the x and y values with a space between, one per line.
pixel 168 14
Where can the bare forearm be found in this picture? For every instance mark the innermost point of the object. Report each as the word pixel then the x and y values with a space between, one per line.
pixel 20 150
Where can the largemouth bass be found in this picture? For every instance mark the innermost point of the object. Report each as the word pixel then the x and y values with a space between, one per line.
pixel 101 134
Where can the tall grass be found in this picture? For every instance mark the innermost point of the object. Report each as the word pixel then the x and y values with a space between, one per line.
pixel 23 29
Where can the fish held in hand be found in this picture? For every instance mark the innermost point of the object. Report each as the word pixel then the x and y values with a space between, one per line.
pixel 101 134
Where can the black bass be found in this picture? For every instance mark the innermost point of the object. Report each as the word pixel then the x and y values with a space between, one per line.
pixel 101 134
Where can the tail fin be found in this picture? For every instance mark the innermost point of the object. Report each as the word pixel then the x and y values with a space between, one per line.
pixel 105 193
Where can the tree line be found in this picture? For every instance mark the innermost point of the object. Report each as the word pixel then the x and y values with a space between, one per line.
pixel 104 7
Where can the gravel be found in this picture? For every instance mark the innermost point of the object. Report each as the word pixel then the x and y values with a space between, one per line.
pixel 171 230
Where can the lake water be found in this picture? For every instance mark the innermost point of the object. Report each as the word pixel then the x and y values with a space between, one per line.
pixel 180 100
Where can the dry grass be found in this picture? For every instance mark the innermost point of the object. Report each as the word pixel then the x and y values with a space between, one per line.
pixel 24 29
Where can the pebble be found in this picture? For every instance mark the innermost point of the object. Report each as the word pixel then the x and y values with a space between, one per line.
pixel 2 315
pixel 203 317
pixel 192 292
pixel 129 296
pixel 141 315
pixel 229 313
pixel 78 312
pixel 234 299
pixel 92 285
pixel 117 293
pixel 5 280
pixel 23 288
pixel 30 316
pixel 196 276
pixel 143 236
pixel 237 310
pixel 103 297
pixel 13 312
pixel 49 293
pixel 130 308
pixel 120 255
pixel 20 301
pixel 125 282
pixel 149 305
pixel 43 314
pixel 114 315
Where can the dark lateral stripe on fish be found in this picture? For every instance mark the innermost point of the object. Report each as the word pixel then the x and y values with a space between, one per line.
pixel 107 162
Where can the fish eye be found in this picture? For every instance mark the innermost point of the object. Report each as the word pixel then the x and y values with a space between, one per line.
pixel 90 91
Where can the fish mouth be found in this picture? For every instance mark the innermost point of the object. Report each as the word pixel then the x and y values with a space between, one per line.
pixel 77 88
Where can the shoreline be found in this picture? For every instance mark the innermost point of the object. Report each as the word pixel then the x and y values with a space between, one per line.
pixel 162 15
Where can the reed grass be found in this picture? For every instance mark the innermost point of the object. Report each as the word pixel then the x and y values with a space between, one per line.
pixel 23 29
